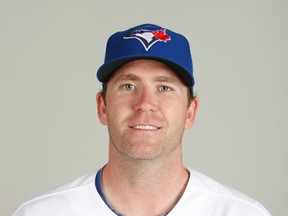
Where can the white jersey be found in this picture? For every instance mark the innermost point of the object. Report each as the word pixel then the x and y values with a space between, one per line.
pixel 202 197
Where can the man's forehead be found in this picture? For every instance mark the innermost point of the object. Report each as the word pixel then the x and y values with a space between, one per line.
pixel 145 63
pixel 138 69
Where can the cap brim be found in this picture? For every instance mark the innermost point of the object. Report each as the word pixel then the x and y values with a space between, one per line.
pixel 106 71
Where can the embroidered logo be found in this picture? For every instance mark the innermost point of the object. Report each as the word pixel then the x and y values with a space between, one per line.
pixel 149 36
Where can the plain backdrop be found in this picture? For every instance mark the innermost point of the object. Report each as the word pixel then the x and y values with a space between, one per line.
pixel 50 50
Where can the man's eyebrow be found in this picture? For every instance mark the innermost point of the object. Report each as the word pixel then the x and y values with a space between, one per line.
pixel 160 78
pixel 168 79
pixel 126 77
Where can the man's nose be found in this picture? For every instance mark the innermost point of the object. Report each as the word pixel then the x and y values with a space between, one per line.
pixel 146 100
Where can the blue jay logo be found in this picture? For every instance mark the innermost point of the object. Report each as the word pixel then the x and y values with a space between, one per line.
pixel 149 36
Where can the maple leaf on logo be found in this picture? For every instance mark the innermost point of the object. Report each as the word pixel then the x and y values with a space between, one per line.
pixel 161 35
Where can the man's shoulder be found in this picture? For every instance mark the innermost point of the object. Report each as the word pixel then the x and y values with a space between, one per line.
pixel 57 197
pixel 76 184
pixel 223 198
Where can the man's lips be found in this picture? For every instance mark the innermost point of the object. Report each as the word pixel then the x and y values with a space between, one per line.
pixel 145 127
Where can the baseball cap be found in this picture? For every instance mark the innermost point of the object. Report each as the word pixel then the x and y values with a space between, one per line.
pixel 148 41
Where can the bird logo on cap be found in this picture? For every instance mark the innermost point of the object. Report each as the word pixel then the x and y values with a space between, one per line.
pixel 149 35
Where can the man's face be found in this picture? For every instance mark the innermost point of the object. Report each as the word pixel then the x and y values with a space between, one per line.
pixel 146 110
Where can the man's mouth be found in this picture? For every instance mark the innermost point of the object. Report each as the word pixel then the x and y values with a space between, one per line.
pixel 145 127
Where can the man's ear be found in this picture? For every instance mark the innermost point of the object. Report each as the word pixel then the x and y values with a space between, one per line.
pixel 191 113
pixel 101 108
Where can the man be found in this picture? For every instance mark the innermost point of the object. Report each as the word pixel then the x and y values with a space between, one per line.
pixel 147 102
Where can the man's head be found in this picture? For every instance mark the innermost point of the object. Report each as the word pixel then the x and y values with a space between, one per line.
pixel 146 110
pixel 148 41
pixel 146 76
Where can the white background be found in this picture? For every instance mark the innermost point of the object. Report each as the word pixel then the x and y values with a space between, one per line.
pixel 50 50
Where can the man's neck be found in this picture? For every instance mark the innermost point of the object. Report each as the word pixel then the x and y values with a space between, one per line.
pixel 147 187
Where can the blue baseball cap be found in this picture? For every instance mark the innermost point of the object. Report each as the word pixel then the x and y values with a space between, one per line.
pixel 148 41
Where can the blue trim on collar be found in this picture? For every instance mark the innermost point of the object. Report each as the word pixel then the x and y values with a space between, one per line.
pixel 98 184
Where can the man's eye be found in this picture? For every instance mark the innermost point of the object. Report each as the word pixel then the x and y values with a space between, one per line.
pixel 165 88
pixel 128 87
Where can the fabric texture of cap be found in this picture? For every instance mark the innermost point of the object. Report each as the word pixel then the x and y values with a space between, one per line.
pixel 148 41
